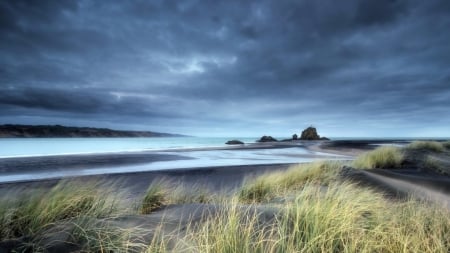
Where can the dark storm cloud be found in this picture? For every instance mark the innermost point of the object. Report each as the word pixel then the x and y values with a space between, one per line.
pixel 187 66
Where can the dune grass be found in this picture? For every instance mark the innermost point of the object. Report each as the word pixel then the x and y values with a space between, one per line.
pixel 380 158
pixel 164 192
pixel 318 213
pixel 435 164
pixel 32 217
pixel 433 146
pixel 446 144
pixel 339 218
pixel 32 212
pixel 155 197
pixel 269 185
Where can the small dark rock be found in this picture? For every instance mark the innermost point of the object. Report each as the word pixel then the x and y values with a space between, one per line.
pixel 324 139
pixel 267 139
pixel 295 137
pixel 234 142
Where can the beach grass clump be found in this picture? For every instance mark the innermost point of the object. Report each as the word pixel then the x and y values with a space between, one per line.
pixel 446 144
pixel 163 192
pixel 269 185
pixel 435 164
pixel 339 218
pixel 155 197
pixel 380 158
pixel 34 214
pixel 328 220
pixel 433 146
pixel 259 190
pixel 92 235
pixel 235 228
pixel 183 194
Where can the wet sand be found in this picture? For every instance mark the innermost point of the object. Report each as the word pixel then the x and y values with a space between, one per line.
pixel 215 178
pixel 221 179
pixel 398 183
pixel 20 169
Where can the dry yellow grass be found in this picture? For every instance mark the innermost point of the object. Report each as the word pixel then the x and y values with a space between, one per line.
pixel 339 218
pixel 382 157
pixel 266 186
pixel 427 145
pixel 69 207
pixel 318 214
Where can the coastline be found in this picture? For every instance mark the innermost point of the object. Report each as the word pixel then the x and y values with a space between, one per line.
pixel 214 177
pixel 211 191
pixel 219 177
pixel 60 166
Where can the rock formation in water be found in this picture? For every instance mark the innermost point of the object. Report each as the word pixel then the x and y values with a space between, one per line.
pixel 234 142
pixel 267 139
pixel 310 134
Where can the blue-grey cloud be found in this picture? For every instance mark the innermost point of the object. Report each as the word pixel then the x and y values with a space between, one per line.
pixel 248 66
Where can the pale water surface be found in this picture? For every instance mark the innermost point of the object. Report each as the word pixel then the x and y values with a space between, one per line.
pixel 31 147
pixel 14 147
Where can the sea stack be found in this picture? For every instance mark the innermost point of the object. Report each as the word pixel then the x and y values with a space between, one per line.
pixel 310 134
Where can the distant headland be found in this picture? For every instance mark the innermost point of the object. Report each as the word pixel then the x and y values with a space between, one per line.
pixel 50 131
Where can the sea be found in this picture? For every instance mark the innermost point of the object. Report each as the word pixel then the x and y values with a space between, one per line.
pixel 196 152
pixel 26 147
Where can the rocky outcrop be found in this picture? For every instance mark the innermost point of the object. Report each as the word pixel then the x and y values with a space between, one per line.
pixel 295 137
pixel 234 142
pixel 310 134
pixel 267 139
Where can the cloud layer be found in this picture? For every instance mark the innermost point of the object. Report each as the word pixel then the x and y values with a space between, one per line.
pixel 352 68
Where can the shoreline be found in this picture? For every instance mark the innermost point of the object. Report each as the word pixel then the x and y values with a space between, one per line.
pixel 232 174
pixel 134 184
pixel 21 169
pixel 190 196
pixel 219 176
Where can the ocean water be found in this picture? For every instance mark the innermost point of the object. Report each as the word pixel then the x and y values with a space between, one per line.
pixel 23 147
pixel 183 146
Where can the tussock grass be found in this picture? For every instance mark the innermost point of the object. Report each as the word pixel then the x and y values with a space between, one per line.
pixel 319 214
pixel 182 194
pixel 163 192
pixel 446 144
pixel 427 145
pixel 339 218
pixel 435 164
pixel 92 235
pixel 33 212
pixel 155 197
pixel 31 217
pixel 234 229
pixel 380 158
pixel 266 186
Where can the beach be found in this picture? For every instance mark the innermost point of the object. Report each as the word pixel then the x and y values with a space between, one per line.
pixel 204 182
pixel 133 172
pixel 44 167
pixel 136 170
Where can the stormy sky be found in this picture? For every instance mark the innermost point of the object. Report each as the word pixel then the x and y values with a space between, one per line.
pixel 229 68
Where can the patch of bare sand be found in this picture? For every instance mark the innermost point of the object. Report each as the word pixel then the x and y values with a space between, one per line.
pixel 419 190
pixel 321 146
